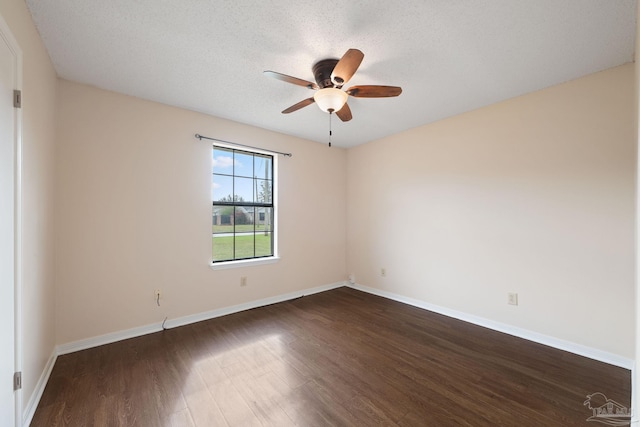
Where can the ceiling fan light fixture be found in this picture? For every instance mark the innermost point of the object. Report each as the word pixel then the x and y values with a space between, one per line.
pixel 330 99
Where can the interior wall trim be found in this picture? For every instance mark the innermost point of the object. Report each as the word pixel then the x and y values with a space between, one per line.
pixel 74 346
pixel 560 344
pixel 186 320
pixel 32 404
pixel 7 35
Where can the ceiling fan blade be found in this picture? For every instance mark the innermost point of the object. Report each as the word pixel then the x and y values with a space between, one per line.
pixel 289 79
pixel 346 67
pixel 372 91
pixel 345 113
pixel 299 105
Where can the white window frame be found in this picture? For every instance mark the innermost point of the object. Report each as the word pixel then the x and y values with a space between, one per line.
pixel 223 265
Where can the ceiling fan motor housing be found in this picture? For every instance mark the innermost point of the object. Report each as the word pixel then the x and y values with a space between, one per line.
pixel 322 72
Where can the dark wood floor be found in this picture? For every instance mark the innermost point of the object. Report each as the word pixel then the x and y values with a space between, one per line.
pixel 341 357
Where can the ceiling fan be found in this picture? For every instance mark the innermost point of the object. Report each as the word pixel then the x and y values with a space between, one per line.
pixel 330 76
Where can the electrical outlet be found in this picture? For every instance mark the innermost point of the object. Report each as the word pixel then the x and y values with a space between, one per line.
pixel 352 278
pixel 243 281
pixel 383 272
pixel 512 298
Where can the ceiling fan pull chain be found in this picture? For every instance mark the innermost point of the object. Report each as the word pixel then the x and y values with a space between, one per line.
pixel 330 132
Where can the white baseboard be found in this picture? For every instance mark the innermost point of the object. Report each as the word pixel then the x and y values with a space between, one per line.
pixel 186 320
pixel 579 349
pixel 71 347
pixel 32 405
pixel 148 329
pixel 112 337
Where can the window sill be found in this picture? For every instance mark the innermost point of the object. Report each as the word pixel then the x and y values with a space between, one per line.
pixel 243 263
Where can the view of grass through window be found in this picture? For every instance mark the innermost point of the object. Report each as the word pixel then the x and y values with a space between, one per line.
pixel 243 209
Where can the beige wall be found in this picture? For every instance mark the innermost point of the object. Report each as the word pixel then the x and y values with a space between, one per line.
pixel 134 210
pixel 38 128
pixel 534 195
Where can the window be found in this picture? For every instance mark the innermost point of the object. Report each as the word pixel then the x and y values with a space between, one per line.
pixel 243 210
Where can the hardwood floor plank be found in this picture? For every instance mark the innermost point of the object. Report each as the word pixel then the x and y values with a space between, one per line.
pixel 166 387
pixel 210 371
pixel 204 410
pixel 232 405
pixel 341 357
pixel 314 406
pixel 264 397
pixel 138 405
pixel 181 418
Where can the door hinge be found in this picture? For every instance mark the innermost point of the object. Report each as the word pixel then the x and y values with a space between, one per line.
pixel 17 98
pixel 17 381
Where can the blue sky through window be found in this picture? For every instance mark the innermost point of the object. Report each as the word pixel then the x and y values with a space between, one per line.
pixel 224 162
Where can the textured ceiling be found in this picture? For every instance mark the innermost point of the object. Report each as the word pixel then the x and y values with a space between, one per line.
pixel 449 56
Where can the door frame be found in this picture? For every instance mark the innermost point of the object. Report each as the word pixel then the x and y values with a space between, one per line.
pixel 12 43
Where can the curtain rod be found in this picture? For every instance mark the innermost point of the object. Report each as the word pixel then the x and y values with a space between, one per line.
pixel 201 137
